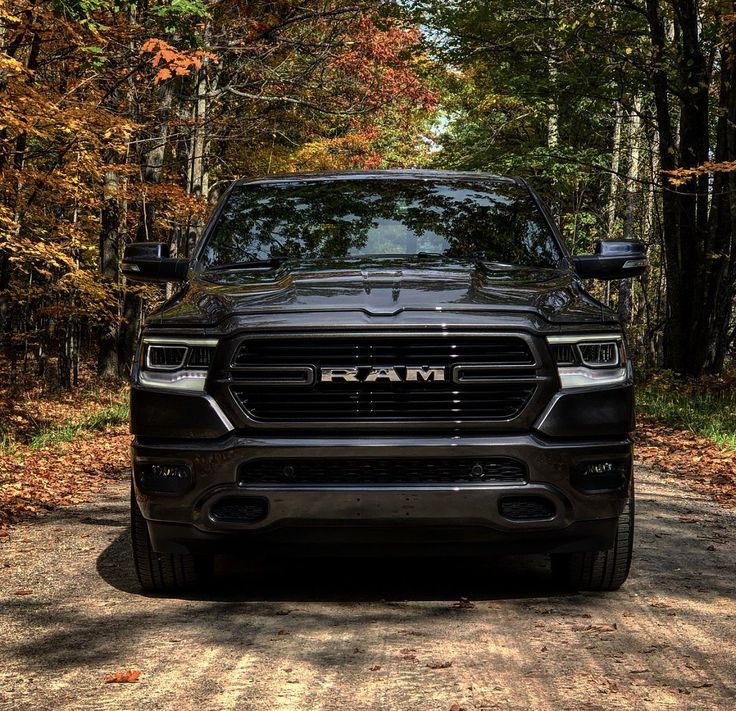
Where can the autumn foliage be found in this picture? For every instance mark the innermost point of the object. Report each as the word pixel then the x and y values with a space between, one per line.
pixel 171 62
pixel 124 122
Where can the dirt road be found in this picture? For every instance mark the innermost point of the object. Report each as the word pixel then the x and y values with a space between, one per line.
pixel 371 635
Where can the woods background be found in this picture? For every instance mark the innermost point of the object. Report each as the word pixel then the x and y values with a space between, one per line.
pixel 124 121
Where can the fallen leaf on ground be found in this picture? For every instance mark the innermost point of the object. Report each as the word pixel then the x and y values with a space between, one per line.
pixel 24 591
pixel 595 628
pixel 439 665
pixel 37 479
pixel 123 677
pixel 707 467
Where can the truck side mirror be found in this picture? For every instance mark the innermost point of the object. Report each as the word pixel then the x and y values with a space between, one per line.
pixel 613 259
pixel 150 261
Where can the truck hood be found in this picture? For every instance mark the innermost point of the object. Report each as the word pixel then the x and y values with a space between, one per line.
pixel 383 288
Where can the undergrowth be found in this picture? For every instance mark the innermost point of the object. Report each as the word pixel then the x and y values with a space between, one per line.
pixel 37 420
pixel 115 414
pixel 705 406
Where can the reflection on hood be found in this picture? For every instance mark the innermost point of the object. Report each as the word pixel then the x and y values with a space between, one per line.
pixel 385 287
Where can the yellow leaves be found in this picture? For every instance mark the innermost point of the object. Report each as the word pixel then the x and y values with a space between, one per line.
pixel 354 150
pixel 7 17
pixel 27 252
pixel 172 202
pixel 680 176
pixel 499 102
pixel 8 222
pixel 42 114
pixel 9 65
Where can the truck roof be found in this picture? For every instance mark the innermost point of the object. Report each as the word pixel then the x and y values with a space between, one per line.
pixel 393 174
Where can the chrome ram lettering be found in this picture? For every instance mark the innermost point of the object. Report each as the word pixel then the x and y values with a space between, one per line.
pixel 436 374
pixel 376 374
pixel 383 374
pixel 346 375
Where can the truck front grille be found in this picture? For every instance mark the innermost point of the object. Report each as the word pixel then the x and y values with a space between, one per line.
pixel 403 402
pixel 443 378
pixel 420 471
pixel 340 351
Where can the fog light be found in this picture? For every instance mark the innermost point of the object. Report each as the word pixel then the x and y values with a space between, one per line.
pixel 164 478
pixel 599 468
pixel 601 475
pixel 248 509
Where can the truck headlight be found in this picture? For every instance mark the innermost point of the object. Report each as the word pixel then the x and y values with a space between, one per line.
pixel 175 363
pixel 589 361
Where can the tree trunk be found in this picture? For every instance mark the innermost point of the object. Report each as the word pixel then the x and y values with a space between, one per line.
pixel 553 115
pixel 198 175
pixel 198 179
pixel 129 331
pixel 685 209
pixel 615 163
pixel 107 359
pixel 721 249
pixel 152 162
pixel 625 286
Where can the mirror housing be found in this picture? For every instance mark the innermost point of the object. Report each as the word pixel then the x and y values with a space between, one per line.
pixel 150 261
pixel 613 259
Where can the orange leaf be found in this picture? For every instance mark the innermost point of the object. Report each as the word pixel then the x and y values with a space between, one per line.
pixel 122 677
pixel 162 75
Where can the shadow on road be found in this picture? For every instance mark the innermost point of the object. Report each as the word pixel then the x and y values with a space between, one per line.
pixel 352 579
pixel 672 538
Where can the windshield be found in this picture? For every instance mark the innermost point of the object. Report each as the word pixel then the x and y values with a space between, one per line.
pixel 455 219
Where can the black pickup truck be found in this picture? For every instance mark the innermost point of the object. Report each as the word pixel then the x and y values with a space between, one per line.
pixel 383 361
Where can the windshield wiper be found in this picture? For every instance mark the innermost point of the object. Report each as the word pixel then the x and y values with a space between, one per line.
pixel 271 263
pixel 499 265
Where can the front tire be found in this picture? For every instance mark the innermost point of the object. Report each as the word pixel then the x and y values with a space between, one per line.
pixel 600 570
pixel 163 572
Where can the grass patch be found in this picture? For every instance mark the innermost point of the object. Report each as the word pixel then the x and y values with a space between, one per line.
pixel 705 407
pixel 114 414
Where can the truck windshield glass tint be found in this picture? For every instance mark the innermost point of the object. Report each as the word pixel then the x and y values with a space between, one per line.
pixel 457 219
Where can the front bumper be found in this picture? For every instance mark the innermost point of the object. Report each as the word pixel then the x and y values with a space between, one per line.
pixel 324 514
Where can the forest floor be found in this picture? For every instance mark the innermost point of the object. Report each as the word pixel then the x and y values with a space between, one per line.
pixel 56 446
pixel 359 634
